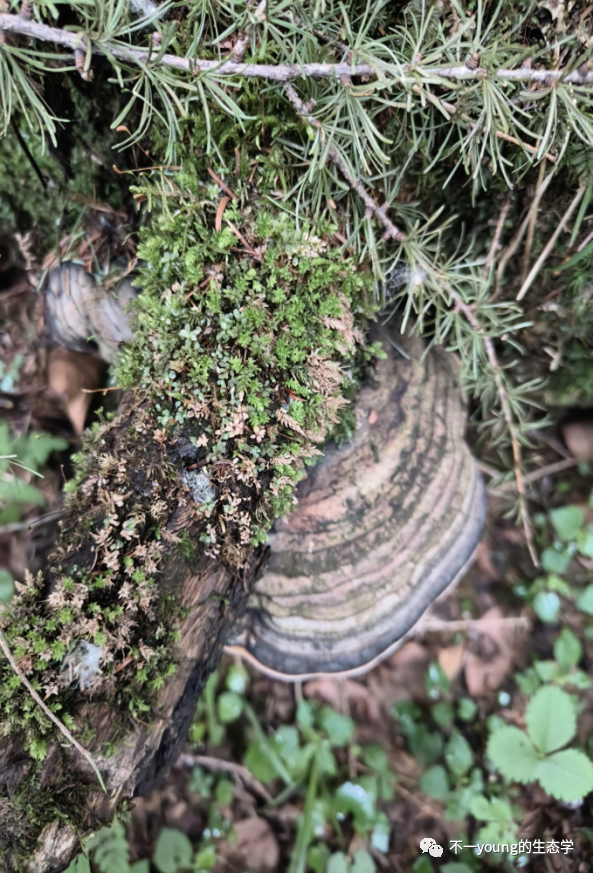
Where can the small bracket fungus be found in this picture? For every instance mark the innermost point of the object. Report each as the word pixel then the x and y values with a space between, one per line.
pixel 383 526
pixel 78 311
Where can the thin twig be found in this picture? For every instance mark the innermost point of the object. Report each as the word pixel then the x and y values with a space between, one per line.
pixel 491 257
pixel 243 38
pixel 403 73
pixel 550 244
pixel 587 239
pixel 531 225
pixel 514 244
pixel 379 212
pixel 12 527
pixel 454 626
pixel 548 470
pixel 212 763
pixel 46 710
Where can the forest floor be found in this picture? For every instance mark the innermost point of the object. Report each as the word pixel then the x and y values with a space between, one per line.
pixel 352 774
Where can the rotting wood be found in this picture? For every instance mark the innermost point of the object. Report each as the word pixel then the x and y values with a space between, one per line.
pixel 213 598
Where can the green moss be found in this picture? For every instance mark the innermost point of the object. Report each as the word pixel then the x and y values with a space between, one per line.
pixel 249 338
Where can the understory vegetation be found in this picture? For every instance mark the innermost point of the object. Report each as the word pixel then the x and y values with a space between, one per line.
pixel 431 160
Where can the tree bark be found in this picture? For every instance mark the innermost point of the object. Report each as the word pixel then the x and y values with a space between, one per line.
pixel 46 809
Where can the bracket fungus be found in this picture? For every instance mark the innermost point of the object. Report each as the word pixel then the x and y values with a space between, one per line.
pixel 78 312
pixel 383 526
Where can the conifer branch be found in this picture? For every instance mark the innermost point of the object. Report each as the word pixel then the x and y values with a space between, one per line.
pixel 392 73
pixel 379 212
pixel 550 244
pixel 503 396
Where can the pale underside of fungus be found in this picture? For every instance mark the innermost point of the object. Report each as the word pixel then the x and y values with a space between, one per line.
pixel 383 526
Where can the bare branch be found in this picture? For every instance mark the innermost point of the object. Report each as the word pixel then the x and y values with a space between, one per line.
pixel 550 244
pixel 396 73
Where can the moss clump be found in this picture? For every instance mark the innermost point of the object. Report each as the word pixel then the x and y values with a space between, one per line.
pixel 106 595
pixel 249 336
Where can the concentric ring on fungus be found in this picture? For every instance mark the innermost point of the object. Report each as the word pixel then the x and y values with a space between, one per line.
pixel 383 526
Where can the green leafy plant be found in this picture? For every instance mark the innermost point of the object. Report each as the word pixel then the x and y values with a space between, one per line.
pixel 23 454
pixel 540 753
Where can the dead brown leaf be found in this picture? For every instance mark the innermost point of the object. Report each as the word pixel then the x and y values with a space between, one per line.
pixel 256 847
pixel 450 660
pixel 483 561
pixel 578 436
pixel 68 375
pixel 487 667
pixel 342 694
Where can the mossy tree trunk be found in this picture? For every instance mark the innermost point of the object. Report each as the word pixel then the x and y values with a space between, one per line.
pixel 52 797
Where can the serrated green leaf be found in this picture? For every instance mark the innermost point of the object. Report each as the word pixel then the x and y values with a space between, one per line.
pixel 237 679
pixel 567 521
pixel 224 792
pixel 355 799
pixel 567 649
pixel 426 746
pixel 362 863
pixel 230 706
pixel 173 851
pixel 286 741
pixel 205 858
pixel 79 865
pixel 338 728
pixel 259 763
pixel 318 857
pixel 547 606
pixel 467 709
pixel 566 775
pixel 305 715
pixel 585 601
pixel 585 542
pixel 481 808
pixel 443 715
pixel 17 490
pixel 434 782
pixel 512 753
pixel 550 719
pixel 337 864
pixel 375 757
pixel 555 562
pixel 458 754
pixel 381 833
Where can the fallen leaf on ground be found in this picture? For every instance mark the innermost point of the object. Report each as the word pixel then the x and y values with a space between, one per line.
pixel 483 561
pixel 401 676
pixel 450 660
pixel 486 669
pixel 578 436
pixel 340 694
pixel 68 374
pixel 255 848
